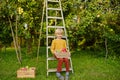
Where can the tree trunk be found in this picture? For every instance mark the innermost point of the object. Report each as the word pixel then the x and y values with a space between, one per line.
pixel 17 54
pixel 78 18
pixel 106 49
pixel 17 41
pixel 29 45
pixel 40 31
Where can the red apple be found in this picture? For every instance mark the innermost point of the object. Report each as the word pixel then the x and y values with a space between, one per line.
pixel 64 50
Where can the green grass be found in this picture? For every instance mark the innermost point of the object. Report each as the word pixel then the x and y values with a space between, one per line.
pixel 87 66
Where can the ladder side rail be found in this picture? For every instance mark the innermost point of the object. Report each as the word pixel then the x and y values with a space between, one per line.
pixel 65 34
pixel 46 25
pixel 47 37
pixel 64 24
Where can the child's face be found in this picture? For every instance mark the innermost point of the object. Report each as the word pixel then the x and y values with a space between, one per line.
pixel 59 35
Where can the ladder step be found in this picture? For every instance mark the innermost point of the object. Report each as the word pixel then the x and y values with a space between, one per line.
pixel 54 17
pixel 53 8
pixel 53 1
pixel 48 47
pixel 51 58
pixel 50 36
pixel 54 36
pixel 54 69
pixel 55 26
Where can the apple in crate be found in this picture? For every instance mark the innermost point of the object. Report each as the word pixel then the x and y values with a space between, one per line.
pixel 64 50
pixel 24 69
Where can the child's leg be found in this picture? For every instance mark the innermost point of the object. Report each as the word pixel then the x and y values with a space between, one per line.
pixel 60 62
pixel 66 60
pixel 59 66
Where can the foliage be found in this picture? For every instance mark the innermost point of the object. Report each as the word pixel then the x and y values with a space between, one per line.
pixel 20 12
pixel 5 36
pixel 88 22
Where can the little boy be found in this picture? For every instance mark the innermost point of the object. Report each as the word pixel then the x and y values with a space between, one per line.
pixel 59 44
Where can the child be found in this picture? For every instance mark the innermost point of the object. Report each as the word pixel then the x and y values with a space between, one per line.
pixel 59 44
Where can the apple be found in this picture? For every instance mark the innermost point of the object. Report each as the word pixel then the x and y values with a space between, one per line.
pixel 27 67
pixel 64 50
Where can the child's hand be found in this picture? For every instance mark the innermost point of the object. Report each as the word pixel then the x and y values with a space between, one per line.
pixel 54 52
pixel 69 53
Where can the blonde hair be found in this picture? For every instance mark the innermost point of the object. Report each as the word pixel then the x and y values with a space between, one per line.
pixel 59 31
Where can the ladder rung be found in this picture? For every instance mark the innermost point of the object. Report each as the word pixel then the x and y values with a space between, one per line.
pixel 50 36
pixel 53 8
pixel 54 36
pixel 51 58
pixel 53 1
pixel 48 47
pixel 55 26
pixel 55 17
pixel 54 69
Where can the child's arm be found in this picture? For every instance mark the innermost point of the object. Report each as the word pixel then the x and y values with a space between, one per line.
pixel 53 47
pixel 65 44
pixel 67 49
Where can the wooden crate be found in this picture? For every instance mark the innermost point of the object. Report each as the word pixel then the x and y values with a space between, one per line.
pixel 26 72
pixel 62 54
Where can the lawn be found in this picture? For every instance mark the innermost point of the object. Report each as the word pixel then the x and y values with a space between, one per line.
pixel 86 66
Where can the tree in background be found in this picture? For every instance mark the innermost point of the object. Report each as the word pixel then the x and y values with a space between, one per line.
pixel 24 12
pixel 14 14
pixel 91 24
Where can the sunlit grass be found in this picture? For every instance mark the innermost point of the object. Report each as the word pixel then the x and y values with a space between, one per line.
pixel 86 66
